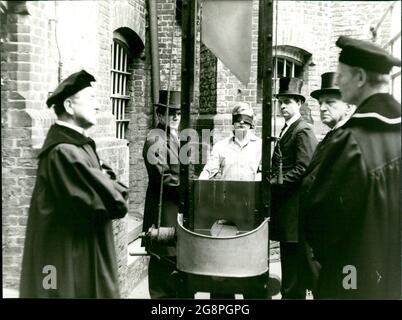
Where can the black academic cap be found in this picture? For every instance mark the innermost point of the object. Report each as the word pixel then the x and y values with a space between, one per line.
pixel 365 55
pixel 69 86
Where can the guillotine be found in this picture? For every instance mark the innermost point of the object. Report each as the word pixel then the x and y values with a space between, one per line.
pixel 206 261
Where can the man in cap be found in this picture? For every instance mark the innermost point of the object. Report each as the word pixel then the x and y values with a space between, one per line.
pixel 292 155
pixel 237 157
pixel 161 159
pixel 352 211
pixel 69 247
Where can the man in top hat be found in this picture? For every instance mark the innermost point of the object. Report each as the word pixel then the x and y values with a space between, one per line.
pixel 352 212
pixel 334 113
pixel 69 248
pixel 237 157
pixel 161 159
pixel 292 155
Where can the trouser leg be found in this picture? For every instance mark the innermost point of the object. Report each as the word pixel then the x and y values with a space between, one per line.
pixel 161 281
pixel 291 260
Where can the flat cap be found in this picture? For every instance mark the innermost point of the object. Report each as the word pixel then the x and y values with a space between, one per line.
pixel 243 112
pixel 243 108
pixel 69 86
pixel 365 55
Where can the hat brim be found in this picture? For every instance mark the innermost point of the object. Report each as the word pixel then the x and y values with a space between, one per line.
pixel 172 106
pixel 317 93
pixel 290 95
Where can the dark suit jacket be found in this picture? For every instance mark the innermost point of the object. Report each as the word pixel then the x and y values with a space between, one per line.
pixel 162 162
pixel 297 147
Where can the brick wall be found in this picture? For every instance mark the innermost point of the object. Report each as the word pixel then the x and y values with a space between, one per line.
pixel 141 118
pixel 30 59
pixel 169 33
pixel 217 104
pixel 313 27
pixel 354 18
pixel 22 90
pixel 208 76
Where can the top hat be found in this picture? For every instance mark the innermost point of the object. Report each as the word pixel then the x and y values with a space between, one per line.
pixel 366 55
pixel 174 99
pixel 328 85
pixel 70 86
pixel 290 87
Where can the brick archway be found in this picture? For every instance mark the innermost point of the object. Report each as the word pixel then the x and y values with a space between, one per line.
pixel 124 15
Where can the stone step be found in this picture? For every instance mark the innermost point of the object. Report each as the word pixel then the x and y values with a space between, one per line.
pixel 10 293
pixel 137 266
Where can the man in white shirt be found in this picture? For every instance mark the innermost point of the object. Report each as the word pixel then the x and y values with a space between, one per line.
pixel 237 157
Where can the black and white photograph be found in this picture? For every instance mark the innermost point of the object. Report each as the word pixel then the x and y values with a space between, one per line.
pixel 201 150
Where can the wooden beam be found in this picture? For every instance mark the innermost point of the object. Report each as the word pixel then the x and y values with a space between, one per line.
pixel 266 65
pixel 189 15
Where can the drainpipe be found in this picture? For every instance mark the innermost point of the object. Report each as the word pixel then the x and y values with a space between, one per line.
pixel 60 64
pixel 153 26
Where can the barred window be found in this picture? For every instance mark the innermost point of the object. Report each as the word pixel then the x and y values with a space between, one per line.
pixel 286 67
pixel 288 61
pixel 119 87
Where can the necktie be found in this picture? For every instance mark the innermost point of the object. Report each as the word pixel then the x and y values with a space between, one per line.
pixel 283 129
pixel 280 133
pixel 278 167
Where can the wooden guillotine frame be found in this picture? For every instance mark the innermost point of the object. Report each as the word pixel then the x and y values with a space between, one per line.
pixel 201 257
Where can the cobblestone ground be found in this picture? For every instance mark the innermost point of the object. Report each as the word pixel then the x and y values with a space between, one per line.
pixel 141 290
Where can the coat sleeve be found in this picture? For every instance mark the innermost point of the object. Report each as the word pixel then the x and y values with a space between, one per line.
pixel 306 143
pixel 155 156
pixel 337 195
pixel 82 188
pixel 213 166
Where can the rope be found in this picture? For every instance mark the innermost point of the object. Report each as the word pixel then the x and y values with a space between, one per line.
pixel 166 115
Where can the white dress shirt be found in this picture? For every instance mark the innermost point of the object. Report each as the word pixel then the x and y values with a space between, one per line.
pixel 290 122
pixel 234 160
pixel 72 126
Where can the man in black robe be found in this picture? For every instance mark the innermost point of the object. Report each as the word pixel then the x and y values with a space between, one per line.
pixel 69 248
pixel 352 211
pixel 161 157
pixel 334 113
